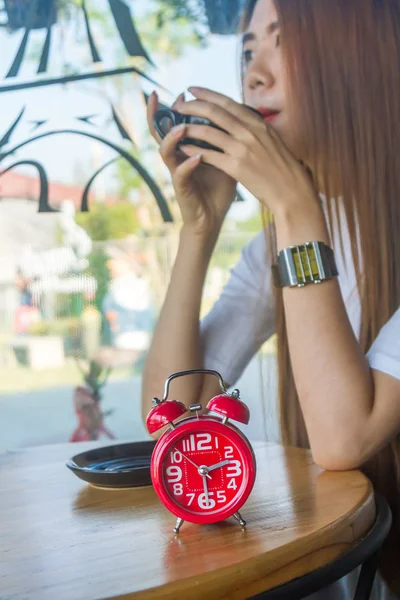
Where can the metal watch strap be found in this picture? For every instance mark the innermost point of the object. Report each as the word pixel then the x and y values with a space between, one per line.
pixel 312 262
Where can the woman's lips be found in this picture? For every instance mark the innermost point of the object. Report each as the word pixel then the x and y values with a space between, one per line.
pixel 269 114
pixel 272 117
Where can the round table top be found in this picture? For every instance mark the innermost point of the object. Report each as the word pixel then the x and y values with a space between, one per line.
pixel 61 538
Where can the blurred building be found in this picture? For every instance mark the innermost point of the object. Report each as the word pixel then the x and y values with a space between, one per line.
pixel 25 231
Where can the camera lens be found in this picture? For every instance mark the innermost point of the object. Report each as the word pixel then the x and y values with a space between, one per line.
pixel 165 120
pixel 166 124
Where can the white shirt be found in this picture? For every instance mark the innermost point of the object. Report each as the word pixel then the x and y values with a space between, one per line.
pixel 243 318
pixel 384 354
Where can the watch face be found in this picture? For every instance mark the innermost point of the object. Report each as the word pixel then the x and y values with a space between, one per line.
pixel 205 471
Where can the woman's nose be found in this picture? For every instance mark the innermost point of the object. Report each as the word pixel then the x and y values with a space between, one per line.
pixel 259 75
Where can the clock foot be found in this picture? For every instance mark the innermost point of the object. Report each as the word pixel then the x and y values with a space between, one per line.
pixel 177 527
pixel 238 517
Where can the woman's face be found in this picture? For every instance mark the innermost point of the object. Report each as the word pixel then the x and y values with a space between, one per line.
pixel 263 83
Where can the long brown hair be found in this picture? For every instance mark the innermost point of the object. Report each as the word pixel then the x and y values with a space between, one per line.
pixel 342 60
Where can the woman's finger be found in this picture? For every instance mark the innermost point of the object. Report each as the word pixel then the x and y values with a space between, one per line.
pixel 217 115
pixel 180 98
pixel 240 111
pixel 152 107
pixel 168 149
pixel 278 144
pixel 212 157
pixel 216 137
pixel 183 171
pixel 249 120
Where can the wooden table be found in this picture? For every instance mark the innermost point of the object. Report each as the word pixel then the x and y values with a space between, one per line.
pixel 61 539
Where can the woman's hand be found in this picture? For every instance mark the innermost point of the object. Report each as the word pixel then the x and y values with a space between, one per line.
pixel 204 193
pixel 253 153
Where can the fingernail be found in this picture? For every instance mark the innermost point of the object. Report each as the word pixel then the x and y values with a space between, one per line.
pixel 195 158
pixel 178 129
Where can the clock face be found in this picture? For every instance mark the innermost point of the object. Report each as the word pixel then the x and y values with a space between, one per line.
pixel 206 472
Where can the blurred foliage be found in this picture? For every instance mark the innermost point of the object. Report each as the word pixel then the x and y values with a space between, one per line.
pixel 106 222
pixel 95 376
pixel 234 236
pixel 128 178
pixel 64 6
pixel 109 221
pixel 66 326
pixel 98 268
pixel 69 305
pixel 216 16
pixel 172 26
pixel 191 11
pixel 252 225
pixel 167 27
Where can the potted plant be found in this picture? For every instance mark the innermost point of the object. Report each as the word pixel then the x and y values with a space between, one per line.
pixel 87 404
pixel 34 14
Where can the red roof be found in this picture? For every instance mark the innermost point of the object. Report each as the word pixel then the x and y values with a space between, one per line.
pixel 17 185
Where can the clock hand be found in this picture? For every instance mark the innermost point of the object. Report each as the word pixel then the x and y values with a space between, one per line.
pixel 192 463
pixel 220 464
pixel 206 490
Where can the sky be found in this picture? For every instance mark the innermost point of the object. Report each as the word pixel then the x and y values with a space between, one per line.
pixel 69 158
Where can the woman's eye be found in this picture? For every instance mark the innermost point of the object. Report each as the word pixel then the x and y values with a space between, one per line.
pixel 247 56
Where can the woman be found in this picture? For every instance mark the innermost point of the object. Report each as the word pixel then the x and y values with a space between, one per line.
pixel 325 75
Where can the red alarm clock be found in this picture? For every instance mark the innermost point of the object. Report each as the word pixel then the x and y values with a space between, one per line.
pixel 203 468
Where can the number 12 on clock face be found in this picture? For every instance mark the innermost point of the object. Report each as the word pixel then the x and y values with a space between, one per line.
pixel 200 442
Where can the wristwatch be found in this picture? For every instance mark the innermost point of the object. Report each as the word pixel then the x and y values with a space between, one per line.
pixel 312 262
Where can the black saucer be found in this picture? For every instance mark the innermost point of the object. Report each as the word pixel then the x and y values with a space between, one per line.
pixel 115 466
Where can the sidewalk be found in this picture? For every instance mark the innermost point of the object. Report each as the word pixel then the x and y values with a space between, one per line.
pixel 47 417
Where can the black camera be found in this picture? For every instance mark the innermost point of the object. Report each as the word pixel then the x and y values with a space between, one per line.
pixel 167 118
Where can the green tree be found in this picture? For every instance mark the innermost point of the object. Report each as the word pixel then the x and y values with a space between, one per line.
pixel 106 222
pixel 170 29
pixel 128 179
pixel 251 225
pixel 109 221
pixel 98 268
